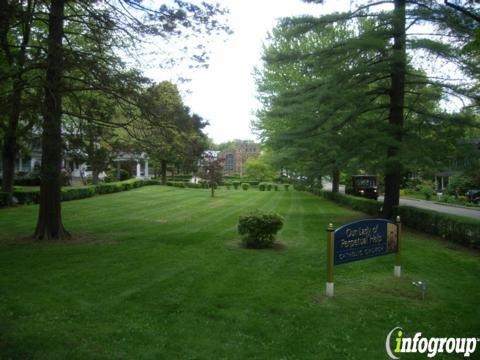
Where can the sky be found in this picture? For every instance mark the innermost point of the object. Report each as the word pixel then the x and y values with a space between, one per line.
pixel 225 93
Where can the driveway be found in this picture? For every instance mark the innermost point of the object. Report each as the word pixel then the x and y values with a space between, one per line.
pixel 429 205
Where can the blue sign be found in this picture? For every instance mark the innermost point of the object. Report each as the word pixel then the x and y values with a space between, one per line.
pixel 364 239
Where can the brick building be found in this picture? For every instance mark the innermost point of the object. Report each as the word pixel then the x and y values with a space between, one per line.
pixel 236 157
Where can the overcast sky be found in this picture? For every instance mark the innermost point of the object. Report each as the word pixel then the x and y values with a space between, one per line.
pixel 225 94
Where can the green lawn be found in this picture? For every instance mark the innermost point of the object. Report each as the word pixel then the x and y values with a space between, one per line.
pixel 161 276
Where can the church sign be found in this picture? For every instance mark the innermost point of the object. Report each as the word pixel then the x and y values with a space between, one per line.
pixel 362 240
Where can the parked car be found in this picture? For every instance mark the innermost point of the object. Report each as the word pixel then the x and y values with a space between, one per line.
pixel 473 196
pixel 364 186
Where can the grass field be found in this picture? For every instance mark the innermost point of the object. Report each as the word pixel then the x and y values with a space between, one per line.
pixel 157 273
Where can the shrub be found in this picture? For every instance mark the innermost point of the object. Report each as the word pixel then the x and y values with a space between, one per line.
pixel 458 185
pixel 275 187
pixel 236 184
pixel 27 196
pixel 108 188
pixel 269 187
pixel 228 185
pixel 258 230
pixel 427 191
pixel 152 182
pixel 245 186
pixel 113 174
pixel 286 186
pixel 27 180
pixel 262 186
pixel 78 193
pixel 300 187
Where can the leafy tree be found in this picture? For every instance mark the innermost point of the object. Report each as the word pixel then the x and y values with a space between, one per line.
pixel 166 129
pixel 18 90
pixel 212 167
pixel 258 169
pixel 104 27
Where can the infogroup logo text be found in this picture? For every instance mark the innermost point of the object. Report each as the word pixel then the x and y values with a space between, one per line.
pixel 429 346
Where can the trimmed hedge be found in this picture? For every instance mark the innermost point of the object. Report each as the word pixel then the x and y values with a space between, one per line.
pixel 245 186
pixel 458 229
pixel 368 206
pixel 78 193
pixel 186 184
pixel 74 193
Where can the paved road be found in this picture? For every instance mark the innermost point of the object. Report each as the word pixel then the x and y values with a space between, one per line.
pixel 429 205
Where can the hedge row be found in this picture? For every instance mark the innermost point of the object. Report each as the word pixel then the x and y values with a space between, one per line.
pixel 266 186
pixel 74 193
pixel 368 206
pixel 457 229
pixel 187 184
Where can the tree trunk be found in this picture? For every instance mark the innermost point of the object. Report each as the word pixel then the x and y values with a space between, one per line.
pixel 335 180
pixel 92 159
pixel 9 150
pixel 163 165
pixel 49 225
pixel 393 171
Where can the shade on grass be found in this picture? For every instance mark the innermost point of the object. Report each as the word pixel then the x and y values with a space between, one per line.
pixel 161 276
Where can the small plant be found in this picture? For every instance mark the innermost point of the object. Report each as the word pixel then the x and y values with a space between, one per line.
pixel 258 229
pixel 269 187
pixel 245 186
pixel 262 186
pixel 275 187
pixel 228 185
pixel 236 184
pixel 286 186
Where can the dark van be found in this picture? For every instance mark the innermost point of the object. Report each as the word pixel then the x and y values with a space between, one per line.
pixel 364 186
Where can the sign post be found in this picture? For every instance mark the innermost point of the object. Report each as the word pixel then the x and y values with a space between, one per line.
pixel 360 240
pixel 397 270
pixel 330 249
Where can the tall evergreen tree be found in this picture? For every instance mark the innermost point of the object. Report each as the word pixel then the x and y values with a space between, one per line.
pixel 361 86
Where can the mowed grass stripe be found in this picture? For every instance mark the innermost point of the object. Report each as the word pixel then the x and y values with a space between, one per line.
pixel 183 288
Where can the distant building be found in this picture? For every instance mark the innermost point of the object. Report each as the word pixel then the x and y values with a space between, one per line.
pixel 237 156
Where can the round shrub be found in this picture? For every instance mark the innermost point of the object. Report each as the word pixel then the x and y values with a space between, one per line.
pixel 286 186
pixel 269 186
pixel 258 229
pixel 245 186
pixel 236 184
pixel 275 187
pixel 228 185
pixel 262 186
